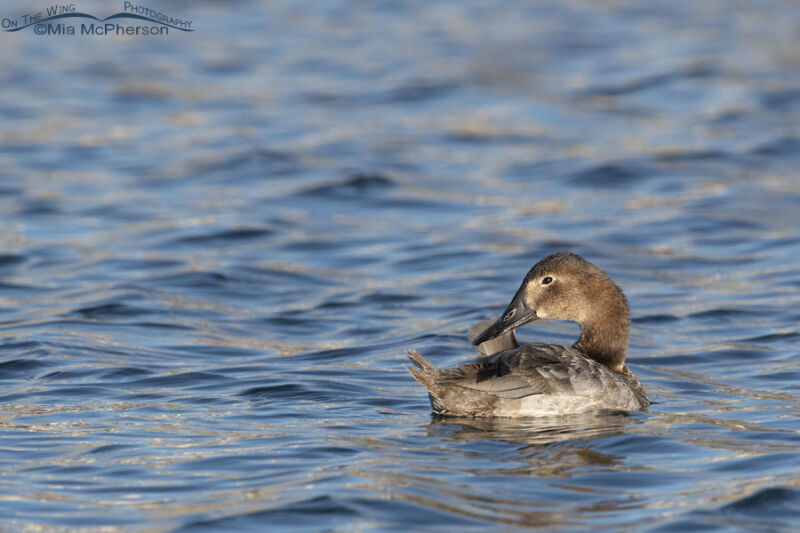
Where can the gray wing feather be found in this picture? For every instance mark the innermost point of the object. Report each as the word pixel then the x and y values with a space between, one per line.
pixel 506 387
pixel 533 369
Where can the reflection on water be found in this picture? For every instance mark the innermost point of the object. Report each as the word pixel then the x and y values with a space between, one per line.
pixel 217 248
pixel 531 432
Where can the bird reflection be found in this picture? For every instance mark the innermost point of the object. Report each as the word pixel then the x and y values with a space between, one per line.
pixel 537 437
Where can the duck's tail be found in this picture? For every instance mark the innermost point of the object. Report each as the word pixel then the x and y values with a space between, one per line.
pixel 428 375
pixel 426 372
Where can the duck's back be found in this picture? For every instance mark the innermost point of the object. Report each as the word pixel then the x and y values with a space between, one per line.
pixel 536 379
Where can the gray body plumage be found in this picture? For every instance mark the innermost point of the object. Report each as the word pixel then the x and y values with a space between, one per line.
pixel 534 380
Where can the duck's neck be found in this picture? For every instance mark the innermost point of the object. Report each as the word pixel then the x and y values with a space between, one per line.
pixel 600 345
pixel 604 336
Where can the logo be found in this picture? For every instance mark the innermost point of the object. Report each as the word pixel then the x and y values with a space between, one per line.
pixel 62 19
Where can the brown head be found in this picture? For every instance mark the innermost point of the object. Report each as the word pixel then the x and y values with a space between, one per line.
pixel 564 286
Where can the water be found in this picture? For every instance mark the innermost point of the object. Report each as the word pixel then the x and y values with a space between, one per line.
pixel 217 247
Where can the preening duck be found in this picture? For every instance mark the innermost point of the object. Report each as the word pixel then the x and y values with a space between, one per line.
pixel 540 379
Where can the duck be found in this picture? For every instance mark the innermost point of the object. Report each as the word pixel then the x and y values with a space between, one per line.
pixel 541 379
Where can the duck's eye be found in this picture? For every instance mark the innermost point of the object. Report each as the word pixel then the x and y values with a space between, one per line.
pixel 547 280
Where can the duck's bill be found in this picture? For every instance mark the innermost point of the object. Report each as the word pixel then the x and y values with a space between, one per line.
pixel 515 315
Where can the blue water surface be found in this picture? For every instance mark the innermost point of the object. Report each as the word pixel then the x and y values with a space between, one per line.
pixel 218 245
